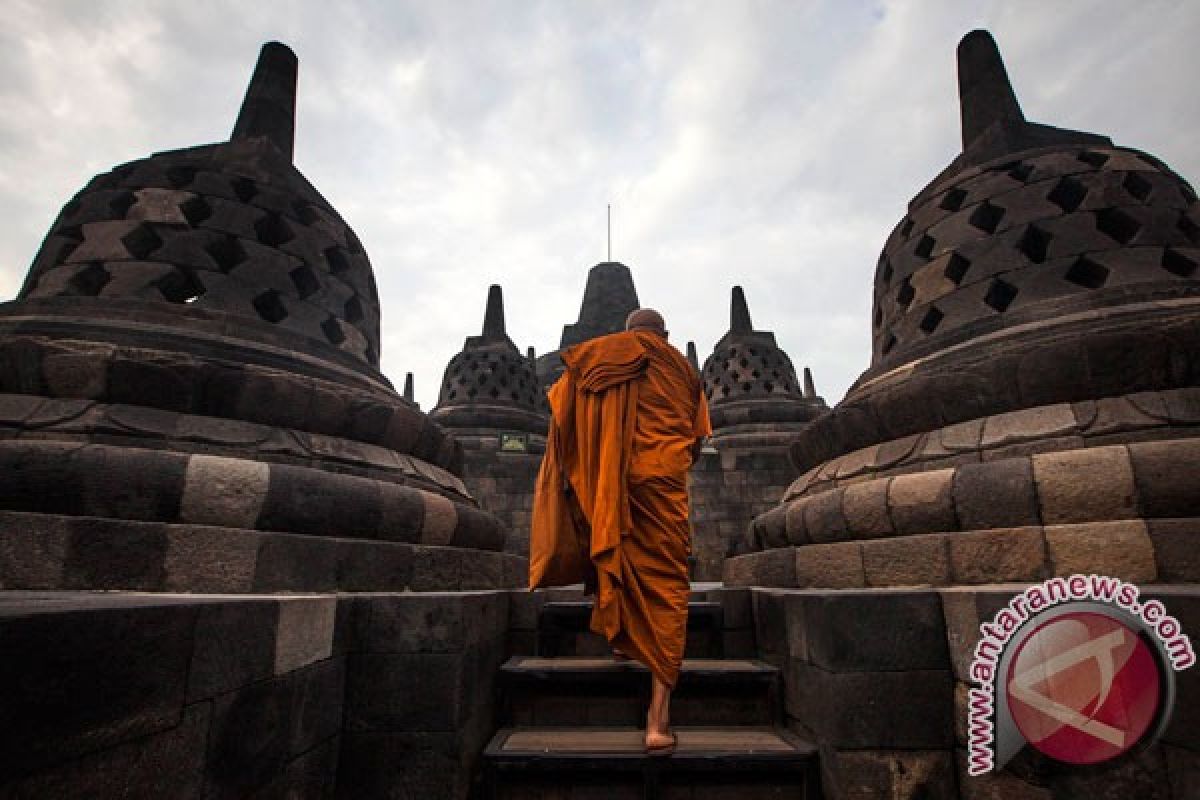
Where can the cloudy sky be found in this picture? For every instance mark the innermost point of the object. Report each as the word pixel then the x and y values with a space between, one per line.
pixel 768 144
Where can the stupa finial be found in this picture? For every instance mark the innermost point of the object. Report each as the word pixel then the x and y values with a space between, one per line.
pixel 984 92
pixel 493 317
pixel 269 108
pixel 739 313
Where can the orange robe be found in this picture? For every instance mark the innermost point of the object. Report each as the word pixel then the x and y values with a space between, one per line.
pixel 611 505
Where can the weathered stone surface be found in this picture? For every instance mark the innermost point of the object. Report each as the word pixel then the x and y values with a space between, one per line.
pixel 439 520
pixel 436 569
pixel 115 554
pixel 1121 549
pixel 891 775
pixel 1022 426
pixel 167 764
pixel 207 559
pixel 1095 483
pixel 295 563
pixel 823 517
pixel 403 765
pixel 223 491
pixel 374 566
pixel 57 664
pixel 922 502
pixel 876 630
pixel 1168 477
pixel 995 494
pixel 998 556
pixel 838 565
pixel 873 710
pixel 304 633
pixel 906 561
pixel 768 568
pixel 1176 549
pixel 865 507
pixel 406 692
pixel 33 550
pixel 234 646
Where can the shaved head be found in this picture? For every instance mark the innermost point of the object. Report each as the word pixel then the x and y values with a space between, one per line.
pixel 646 319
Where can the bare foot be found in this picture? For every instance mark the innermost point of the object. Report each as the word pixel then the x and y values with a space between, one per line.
pixel 660 743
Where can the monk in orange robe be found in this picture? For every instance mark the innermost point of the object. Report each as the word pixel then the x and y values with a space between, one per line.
pixel 611 504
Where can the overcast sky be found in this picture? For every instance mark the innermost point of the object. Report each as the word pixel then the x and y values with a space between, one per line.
pixel 768 144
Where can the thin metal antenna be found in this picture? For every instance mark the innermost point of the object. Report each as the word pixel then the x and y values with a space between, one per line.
pixel 610 232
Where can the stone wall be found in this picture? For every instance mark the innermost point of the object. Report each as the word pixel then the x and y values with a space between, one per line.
pixel 503 483
pixel 420 699
pixel 727 490
pixel 140 696
pixel 878 680
pixel 387 695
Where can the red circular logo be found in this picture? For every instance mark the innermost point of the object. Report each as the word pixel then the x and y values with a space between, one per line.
pixel 1083 688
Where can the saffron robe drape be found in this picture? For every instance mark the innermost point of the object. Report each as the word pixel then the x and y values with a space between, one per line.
pixel 611 506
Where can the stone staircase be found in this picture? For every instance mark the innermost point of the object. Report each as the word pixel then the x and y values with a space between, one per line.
pixel 573 722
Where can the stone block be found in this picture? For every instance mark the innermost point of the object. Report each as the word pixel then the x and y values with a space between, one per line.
pixel 58 663
pixel 997 785
pixel 1176 549
pixel 770 625
pixel 962 628
pixel 1168 477
pixel 304 633
pixel 303 500
pixel 890 775
pixel 998 556
pixel 1094 483
pixel 401 766
pixel 911 709
pixel 865 508
pixel 316 704
pixel 167 764
pixel 234 646
pixel 77 370
pixel 401 512
pixel 995 494
pixel 295 563
pixel 772 528
pixel 436 569
pixel 405 692
pixel 1121 549
pixel 439 519
pixel 823 517
pixel 33 550
pixel 907 561
pixel 206 559
pixel 373 566
pixel 877 630
pixel 770 568
pixel 838 565
pixel 1027 424
pixel 115 554
pixel 250 739
pixel 223 491
pixel 922 502
pixel 431 623
pixel 123 483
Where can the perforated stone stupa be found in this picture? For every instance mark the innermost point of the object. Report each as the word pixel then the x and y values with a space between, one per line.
pixel 756 405
pixel 1031 410
pixel 191 399
pixel 608 298
pixel 491 401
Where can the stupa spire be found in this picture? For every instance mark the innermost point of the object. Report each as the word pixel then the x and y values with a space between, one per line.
pixel 692 357
pixel 810 389
pixel 739 313
pixel 269 108
pixel 985 94
pixel 493 316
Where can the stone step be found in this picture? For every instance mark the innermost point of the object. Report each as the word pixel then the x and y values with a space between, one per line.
pixel 709 763
pixel 600 691
pixel 563 630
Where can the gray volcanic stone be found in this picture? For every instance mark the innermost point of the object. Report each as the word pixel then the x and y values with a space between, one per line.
pixel 56 665
pixel 995 494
